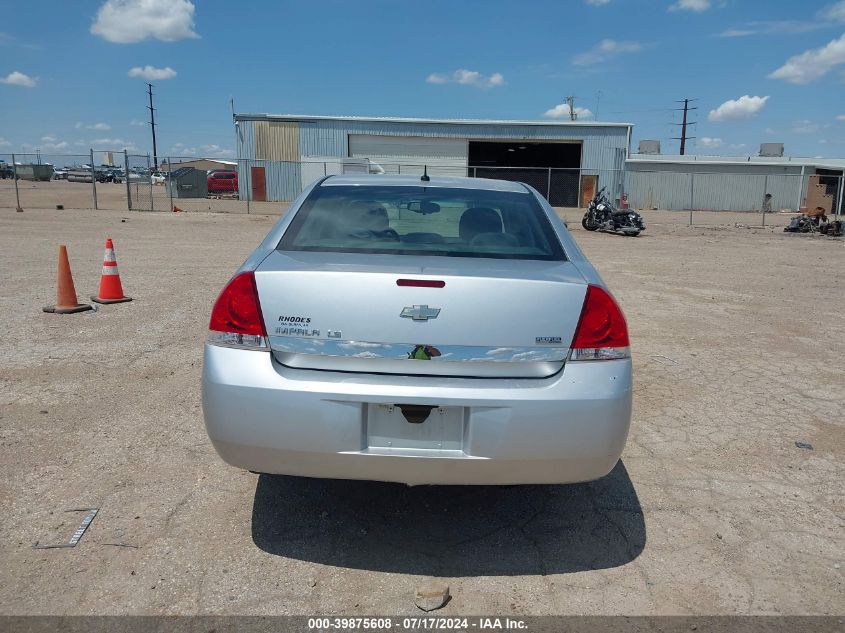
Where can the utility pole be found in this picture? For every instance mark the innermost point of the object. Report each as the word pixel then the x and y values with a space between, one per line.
pixel 153 124
pixel 571 102
pixel 683 137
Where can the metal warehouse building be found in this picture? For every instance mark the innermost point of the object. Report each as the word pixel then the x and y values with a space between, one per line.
pixel 565 161
pixel 655 181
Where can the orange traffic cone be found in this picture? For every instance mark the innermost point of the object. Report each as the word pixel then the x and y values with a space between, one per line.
pixel 176 209
pixel 66 301
pixel 110 289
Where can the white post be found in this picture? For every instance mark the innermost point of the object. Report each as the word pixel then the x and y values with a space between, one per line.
pixel 800 189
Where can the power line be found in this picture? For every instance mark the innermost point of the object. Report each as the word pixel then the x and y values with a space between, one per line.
pixel 683 137
pixel 153 124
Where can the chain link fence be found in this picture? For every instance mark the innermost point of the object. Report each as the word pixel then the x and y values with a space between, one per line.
pixel 120 181
pixel 71 181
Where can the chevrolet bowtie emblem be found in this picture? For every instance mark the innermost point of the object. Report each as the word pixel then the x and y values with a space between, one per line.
pixel 419 313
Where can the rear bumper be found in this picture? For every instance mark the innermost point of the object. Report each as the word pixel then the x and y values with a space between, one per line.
pixel 265 417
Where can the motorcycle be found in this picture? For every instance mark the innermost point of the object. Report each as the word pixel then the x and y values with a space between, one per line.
pixel 602 215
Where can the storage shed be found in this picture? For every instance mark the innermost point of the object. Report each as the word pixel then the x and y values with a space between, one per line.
pixel 187 182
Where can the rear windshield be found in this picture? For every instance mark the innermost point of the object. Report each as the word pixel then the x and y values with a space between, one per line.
pixel 423 221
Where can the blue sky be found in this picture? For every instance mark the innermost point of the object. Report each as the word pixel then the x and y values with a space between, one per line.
pixel 761 71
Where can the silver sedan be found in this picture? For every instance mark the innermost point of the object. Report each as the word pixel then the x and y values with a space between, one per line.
pixel 418 330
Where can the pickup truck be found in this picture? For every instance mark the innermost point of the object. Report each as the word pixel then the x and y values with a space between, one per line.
pixel 222 182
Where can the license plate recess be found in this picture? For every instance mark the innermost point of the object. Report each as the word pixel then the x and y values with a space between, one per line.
pixel 388 428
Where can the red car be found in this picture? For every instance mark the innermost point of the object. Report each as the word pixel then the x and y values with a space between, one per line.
pixel 222 182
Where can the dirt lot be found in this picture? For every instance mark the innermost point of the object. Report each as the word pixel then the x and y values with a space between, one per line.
pixel 738 349
pixel 80 195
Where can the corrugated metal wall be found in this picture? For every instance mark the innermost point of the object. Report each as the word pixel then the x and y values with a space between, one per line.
pixel 408 154
pixel 329 138
pixel 711 187
pixel 275 147
pixel 274 141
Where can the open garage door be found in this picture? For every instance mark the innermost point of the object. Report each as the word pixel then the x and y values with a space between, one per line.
pixel 530 162
pixel 408 154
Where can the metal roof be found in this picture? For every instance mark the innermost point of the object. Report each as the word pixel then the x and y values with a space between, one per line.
pixel 771 161
pixel 385 119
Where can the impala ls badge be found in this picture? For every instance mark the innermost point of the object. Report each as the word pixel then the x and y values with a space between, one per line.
pixel 419 313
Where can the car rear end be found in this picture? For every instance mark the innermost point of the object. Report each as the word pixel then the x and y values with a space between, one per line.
pixel 450 333
pixel 222 181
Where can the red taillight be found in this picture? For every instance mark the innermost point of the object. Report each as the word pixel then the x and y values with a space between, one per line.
pixel 602 324
pixel 237 309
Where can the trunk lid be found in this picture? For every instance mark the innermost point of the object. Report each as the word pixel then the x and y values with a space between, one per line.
pixel 492 318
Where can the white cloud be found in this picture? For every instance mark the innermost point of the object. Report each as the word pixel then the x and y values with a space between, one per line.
pixel 738 109
pixel 102 127
pixel 180 149
pixel 112 143
pixel 130 21
pixel 775 27
pixel 710 143
pixel 151 73
pixel 49 144
pixel 835 12
pixel 16 78
pixel 604 51
pixel 812 64
pixel 215 151
pixel 696 6
pixel 137 122
pixel 597 3
pixel 736 32
pixel 840 117
pixel 4 142
pixel 467 78
pixel 561 111
pixel 805 126
pixel 737 145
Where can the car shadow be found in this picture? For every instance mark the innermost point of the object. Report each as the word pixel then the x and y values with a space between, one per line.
pixel 451 531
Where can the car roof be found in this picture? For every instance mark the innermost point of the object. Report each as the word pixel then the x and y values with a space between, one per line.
pixel 385 180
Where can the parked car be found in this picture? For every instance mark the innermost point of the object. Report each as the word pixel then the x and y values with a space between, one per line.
pixel 434 331
pixel 6 170
pixel 158 178
pixel 222 182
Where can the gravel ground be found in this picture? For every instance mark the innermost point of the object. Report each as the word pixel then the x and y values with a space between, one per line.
pixel 738 351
